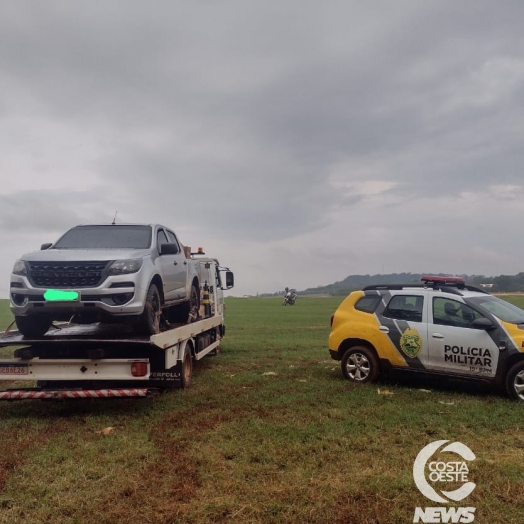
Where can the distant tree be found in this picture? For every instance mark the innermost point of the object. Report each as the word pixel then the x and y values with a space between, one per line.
pixel 501 283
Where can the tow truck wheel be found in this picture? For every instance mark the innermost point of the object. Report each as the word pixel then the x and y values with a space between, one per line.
pixel 149 323
pixel 515 381
pixel 33 326
pixel 186 373
pixel 359 364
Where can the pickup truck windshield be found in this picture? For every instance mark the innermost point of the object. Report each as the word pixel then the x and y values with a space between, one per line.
pixel 106 237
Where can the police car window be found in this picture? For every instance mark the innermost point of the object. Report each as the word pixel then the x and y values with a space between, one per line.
pixel 448 312
pixel 368 304
pixel 405 307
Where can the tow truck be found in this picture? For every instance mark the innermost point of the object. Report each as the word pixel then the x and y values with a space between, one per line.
pixel 75 361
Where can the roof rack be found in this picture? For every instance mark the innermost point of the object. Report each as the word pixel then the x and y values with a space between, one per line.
pixel 390 286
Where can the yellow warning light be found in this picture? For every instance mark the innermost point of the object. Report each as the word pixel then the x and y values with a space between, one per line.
pixel 200 250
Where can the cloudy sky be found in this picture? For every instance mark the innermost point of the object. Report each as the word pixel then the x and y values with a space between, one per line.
pixel 298 141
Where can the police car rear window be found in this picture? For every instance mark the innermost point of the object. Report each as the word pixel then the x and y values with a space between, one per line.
pixel 368 304
pixel 405 307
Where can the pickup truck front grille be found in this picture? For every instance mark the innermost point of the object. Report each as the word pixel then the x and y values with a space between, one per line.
pixel 67 274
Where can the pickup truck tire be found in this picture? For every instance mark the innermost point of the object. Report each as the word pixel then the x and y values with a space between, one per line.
pixel 181 313
pixel 515 381
pixel 360 364
pixel 149 322
pixel 34 325
pixel 186 369
pixel 194 301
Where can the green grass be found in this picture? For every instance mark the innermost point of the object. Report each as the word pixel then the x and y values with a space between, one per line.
pixel 269 432
pixel 518 300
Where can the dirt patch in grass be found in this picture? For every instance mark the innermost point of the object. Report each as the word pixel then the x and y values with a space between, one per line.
pixel 361 507
pixel 17 444
pixel 173 481
pixel 163 490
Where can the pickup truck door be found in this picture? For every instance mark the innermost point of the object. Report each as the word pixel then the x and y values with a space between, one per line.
pixel 172 269
pixel 180 276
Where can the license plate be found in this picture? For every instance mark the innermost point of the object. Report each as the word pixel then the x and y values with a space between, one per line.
pixel 14 369
pixel 59 295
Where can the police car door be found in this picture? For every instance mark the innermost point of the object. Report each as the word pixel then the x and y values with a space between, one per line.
pixel 404 320
pixel 455 346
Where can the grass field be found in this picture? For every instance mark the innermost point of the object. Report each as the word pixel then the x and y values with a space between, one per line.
pixel 269 432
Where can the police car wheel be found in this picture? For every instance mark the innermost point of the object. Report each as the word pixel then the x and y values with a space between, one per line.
pixel 360 364
pixel 515 381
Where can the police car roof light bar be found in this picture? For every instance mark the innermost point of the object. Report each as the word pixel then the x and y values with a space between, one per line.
pixel 449 283
pixel 442 280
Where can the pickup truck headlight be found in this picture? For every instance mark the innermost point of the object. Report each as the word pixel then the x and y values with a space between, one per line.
pixel 123 267
pixel 19 268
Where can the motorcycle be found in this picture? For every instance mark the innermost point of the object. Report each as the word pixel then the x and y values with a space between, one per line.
pixel 289 297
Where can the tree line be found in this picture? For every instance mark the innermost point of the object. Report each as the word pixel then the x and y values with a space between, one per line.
pixel 497 284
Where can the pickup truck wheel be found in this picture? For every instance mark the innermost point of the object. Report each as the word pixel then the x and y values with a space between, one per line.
pixel 188 311
pixel 149 323
pixel 186 372
pixel 359 364
pixel 194 304
pixel 33 326
pixel 515 381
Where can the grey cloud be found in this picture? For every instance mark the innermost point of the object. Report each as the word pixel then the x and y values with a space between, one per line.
pixel 270 200
pixel 51 211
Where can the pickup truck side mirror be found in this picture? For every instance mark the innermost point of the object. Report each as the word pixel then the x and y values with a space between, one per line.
pixel 483 323
pixel 230 280
pixel 43 247
pixel 168 249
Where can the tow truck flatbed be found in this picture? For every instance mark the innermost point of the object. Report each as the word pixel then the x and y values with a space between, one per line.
pixel 86 333
pixel 92 361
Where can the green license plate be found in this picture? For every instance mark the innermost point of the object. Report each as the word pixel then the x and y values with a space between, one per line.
pixel 58 295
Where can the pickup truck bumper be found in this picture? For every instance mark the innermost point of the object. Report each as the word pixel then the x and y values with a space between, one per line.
pixel 115 297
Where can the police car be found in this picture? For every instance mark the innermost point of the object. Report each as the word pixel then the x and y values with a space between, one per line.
pixel 440 326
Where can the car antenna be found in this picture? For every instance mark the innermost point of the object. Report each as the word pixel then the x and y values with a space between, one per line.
pixel 114 219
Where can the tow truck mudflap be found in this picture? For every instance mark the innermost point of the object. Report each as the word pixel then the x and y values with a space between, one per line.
pixel 70 394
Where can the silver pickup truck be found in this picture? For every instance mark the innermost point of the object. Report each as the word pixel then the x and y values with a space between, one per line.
pixel 105 273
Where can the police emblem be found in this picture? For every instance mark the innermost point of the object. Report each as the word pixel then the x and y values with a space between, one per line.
pixel 410 342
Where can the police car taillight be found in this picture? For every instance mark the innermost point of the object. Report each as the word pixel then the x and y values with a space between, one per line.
pixel 442 280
